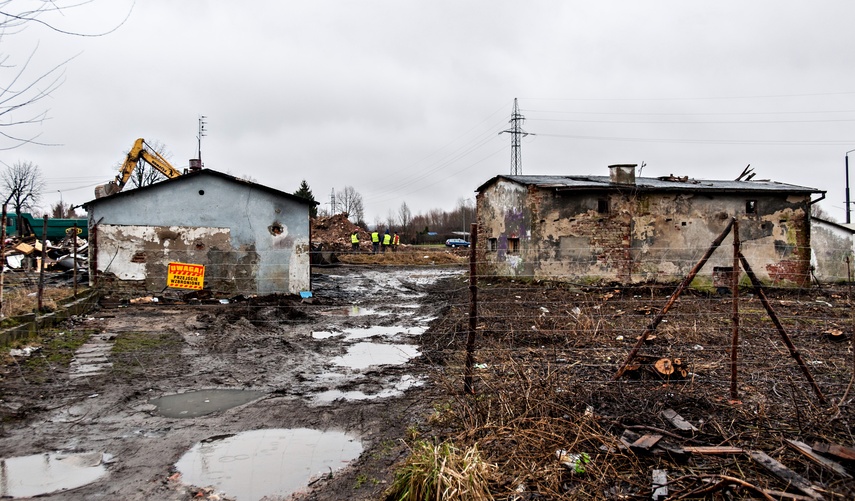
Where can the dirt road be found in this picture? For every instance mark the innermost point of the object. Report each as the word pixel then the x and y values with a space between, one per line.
pixel 337 382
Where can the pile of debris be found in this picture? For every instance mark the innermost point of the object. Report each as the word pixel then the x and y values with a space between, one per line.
pixel 333 233
pixel 27 253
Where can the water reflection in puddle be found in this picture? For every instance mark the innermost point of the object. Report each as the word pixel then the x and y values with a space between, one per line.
pixel 199 403
pixel 399 388
pixel 39 474
pixel 364 355
pixel 259 463
pixel 366 332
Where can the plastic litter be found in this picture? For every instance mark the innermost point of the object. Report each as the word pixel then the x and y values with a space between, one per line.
pixel 575 462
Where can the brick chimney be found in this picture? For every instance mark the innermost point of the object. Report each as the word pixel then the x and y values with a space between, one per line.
pixel 622 173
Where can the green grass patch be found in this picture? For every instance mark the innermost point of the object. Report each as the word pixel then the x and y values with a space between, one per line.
pixel 442 472
pixel 135 353
pixel 57 351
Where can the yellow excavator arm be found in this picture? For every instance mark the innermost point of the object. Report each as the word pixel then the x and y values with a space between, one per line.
pixel 138 151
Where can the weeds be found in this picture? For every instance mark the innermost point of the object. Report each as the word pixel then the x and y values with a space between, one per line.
pixel 442 472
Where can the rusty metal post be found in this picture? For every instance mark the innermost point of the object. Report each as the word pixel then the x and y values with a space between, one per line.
pixel 41 291
pixel 758 288
pixel 473 311
pixel 734 288
pixel 74 274
pixel 673 299
pixel 3 253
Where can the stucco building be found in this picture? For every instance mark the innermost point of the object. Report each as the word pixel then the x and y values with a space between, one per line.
pixel 619 228
pixel 250 238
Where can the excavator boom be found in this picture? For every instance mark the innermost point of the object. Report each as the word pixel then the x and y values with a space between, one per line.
pixel 138 151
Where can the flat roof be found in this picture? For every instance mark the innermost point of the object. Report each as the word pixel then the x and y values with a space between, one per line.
pixel 665 183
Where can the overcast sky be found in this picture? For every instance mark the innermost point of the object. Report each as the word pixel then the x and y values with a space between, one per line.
pixel 404 100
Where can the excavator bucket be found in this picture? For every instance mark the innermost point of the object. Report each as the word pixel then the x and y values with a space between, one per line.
pixel 105 190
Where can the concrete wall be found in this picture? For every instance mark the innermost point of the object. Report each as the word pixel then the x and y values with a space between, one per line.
pixel 250 240
pixel 831 246
pixel 636 236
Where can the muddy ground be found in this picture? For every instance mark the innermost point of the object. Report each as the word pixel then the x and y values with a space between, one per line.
pixel 546 356
pixel 263 344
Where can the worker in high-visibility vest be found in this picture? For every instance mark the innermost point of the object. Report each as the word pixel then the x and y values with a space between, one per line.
pixel 396 240
pixel 375 241
pixel 387 240
pixel 354 241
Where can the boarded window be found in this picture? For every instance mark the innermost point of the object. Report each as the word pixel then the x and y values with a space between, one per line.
pixel 493 244
pixel 514 245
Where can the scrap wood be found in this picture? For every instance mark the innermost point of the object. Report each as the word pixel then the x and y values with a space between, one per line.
pixel 721 481
pixel 839 451
pixel 712 449
pixel 677 420
pixel 824 462
pixel 646 442
pixel 660 484
pixel 787 475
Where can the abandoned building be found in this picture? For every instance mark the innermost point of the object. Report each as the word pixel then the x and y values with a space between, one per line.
pixel 832 250
pixel 249 237
pixel 623 229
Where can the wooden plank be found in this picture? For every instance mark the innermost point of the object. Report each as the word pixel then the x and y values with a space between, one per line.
pixel 646 442
pixel 677 420
pixel 787 475
pixel 712 449
pixel 835 450
pixel 660 484
pixel 822 461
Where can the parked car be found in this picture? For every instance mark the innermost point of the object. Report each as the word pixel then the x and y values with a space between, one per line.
pixel 456 242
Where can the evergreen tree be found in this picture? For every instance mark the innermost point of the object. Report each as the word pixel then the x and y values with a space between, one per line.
pixel 306 192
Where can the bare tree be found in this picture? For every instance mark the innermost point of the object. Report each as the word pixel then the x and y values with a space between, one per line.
pixel 405 217
pixel 22 186
pixel 63 210
pixel 21 90
pixel 144 174
pixel 349 200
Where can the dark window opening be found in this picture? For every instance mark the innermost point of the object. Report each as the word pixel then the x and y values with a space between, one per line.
pixel 513 245
pixel 603 206
pixel 751 207
pixel 683 223
pixel 493 244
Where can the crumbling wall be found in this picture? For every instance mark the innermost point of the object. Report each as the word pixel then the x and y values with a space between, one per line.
pixel 636 236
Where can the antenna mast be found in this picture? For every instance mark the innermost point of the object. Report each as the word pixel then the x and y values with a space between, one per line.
pixel 516 133
pixel 203 122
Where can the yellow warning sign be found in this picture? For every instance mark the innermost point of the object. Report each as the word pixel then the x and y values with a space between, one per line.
pixel 185 276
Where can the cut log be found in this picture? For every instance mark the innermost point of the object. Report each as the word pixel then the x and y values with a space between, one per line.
pixel 677 420
pixel 839 451
pixel 822 461
pixel 787 475
pixel 664 366
pixel 835 335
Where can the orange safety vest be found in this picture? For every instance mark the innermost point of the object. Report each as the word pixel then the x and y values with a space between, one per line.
pixel 397 240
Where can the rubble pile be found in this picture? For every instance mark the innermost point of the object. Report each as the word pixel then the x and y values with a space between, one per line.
pixel 333 233
pixel 26 253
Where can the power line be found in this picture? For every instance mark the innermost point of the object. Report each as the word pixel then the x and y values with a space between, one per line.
pixel 516 133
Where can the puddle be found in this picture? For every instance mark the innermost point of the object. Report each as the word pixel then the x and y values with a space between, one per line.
pixel 324 334
pixel 366 332
pixel 398 389
pixel 29 476
pixel 199 403
pixel 275 463
pixel 354 311
pixel 364 355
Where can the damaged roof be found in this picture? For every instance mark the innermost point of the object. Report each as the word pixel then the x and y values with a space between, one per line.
pixel 664 183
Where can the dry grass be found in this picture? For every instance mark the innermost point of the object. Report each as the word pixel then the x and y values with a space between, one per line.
pixel 442 471
pixel 408 257
pixel 549 354
pixel 22 300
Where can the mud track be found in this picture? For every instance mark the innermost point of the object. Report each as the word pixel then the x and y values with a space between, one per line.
pixel 296 353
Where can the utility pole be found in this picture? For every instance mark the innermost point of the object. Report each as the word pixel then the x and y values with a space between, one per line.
pixel 332 202
pixel 516 133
